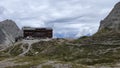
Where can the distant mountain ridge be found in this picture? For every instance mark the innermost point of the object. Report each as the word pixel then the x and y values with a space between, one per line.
pixel 8 32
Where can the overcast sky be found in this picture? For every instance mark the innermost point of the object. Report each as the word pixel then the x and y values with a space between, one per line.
pixel 68 18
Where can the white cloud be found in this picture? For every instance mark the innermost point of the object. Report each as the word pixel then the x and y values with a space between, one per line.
pixel 70 18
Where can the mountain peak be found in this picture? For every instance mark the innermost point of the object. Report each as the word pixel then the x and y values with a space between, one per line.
pixel 118 4
pixel 112 21
pixel 8 32
pixel 7 21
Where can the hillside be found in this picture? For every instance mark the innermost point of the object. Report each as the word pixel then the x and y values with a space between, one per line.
pixel 53 52
pixel 109 30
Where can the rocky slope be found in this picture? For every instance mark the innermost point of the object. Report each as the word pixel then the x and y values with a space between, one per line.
pixel 42 52
pixel 112 21
pixel 109 30
pixel 8 32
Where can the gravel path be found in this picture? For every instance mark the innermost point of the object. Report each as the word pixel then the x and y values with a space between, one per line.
pixel 29 42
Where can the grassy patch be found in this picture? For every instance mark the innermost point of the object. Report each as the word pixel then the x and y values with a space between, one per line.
pixel 81 39
pixel 15 50
pixel 86 55
pixel 78 66
pixel 2 58
pixel 20 66
pixel 47 66
pixel 25 46
pixel 32 60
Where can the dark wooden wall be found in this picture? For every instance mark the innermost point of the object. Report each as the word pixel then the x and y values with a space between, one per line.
pixel 38 33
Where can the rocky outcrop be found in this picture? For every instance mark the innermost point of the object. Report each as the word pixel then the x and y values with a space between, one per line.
pixel 8 32
pixel 109 30
pixel 112 21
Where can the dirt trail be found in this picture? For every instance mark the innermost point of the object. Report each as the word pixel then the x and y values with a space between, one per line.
pixel 29 42
pixel 24 50
pixel 9 62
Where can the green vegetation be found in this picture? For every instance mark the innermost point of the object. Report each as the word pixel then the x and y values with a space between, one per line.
pixel 20 66
pixel 87 55
pixel 32 60
pixel 47 66
pixel 25 46
pixel 93 54
pixel 104 36
pixel 2 58
pixel 16 51
pixel 78 66
pixel 3 55
pixel 81 39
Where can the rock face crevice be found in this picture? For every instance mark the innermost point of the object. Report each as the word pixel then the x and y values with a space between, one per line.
pixel 8 32
pixel 112 21
pixel 2 36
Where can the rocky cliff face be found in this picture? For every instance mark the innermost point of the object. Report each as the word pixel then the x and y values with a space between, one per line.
pixel 109 30
pixel 112 21
pixel 8 32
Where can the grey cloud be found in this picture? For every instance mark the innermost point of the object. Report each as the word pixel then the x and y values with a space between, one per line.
pixel 2 9
pixel 70 18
